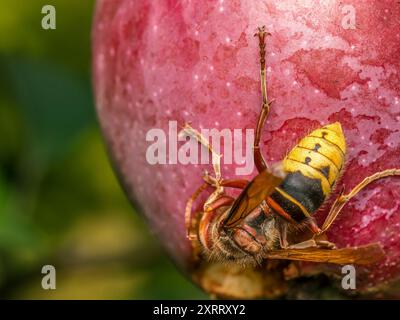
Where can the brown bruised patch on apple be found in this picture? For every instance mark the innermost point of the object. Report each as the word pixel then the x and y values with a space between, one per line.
pixel 197 62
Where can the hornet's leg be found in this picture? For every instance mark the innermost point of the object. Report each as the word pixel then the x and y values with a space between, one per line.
pixel 190 224
pixel 258 158
pixel 311 243
pixel 216 161
pixel 231 183
pixel 283 236
pixel 313 227
pixel 235 183
pixel 193 224
pixel 220 202
pixel 217 182
pixel 344 198
pixel 205 225
pixel 216 158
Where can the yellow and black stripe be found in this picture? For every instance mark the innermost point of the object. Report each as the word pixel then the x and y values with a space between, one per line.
pixel 312 167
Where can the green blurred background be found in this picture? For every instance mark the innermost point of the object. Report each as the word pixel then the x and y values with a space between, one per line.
pixel 60 203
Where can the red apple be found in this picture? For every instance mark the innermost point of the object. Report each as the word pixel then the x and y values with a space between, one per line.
pixel 197 62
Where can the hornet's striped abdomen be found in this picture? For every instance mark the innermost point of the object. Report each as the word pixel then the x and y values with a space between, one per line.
pixel 312 167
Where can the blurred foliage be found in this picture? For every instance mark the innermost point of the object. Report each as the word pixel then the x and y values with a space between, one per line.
pixel 60 203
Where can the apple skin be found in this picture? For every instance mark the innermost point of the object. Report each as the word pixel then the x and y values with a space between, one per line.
pixel 197 62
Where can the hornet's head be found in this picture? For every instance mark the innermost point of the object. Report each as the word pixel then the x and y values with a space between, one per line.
pixel 244 243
